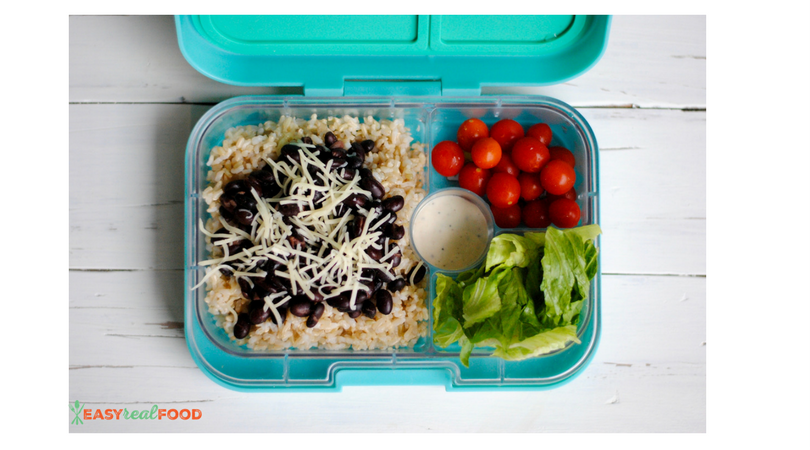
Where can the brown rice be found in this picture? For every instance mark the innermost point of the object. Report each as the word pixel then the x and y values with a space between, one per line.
pixel 399 164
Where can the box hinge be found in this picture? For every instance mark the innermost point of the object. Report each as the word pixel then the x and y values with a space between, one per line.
pixel 386 88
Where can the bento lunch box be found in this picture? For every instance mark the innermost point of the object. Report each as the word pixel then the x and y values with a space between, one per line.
pixel 432 117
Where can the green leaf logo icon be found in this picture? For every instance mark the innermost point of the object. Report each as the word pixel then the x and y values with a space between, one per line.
pixel 77 408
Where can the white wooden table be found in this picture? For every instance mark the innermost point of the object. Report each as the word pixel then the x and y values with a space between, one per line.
pixel 133 102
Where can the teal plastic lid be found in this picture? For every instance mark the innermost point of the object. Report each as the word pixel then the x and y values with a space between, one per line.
pixel 351 55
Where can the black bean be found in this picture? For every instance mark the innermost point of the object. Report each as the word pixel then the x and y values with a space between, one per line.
pixel 317 310
pixel 356 313
pixel 375 254
pixel 339 163
pixel 365 173
pixel 265 179
pixel 361 297
pixel 341 210
pixel 377 285
pixel 369 309
pixel 237 246
pixel 227 201
pixel 289 209
pixel 337 145
pixel 227 215
pixel 395 259
pixel 312 321
pixel 385 275
pixel 368 145
pixel 282 312
pixel 369 285
pixel 329 139
pixel 375 206
pixel 260 289
pixel 397 285
pixel 297 242
pixel 263 287
pixel 247 289
pixel 394 232
pixel 235 187
pixel 342 301
pixel 244 216
pixel 356 227
pixel 300 306
pixel 394 203
pixel 271 191
pixel 245 201
pixel 372 185
pixel 419 274
pixel 316 296
pixel 289 153
pixel 226 270
pixel 356 200
pixel 222 230
pixel 336 153
pixel 274 284
pixel 257 313
pixel 385 303
pixel 386 217
pixel 354 162
pixel 348 174
pixel 318 198
pixel 306 140
pixel 254 184
pixel 242 326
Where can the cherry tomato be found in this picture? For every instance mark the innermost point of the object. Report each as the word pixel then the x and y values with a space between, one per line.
pixel 506 132
pixel 474 179
pixel 470 131
pixel 570 195
pixel 557 177
pixel 530 155
pixel 564 213
pixel 530 186
pixel 506 166
pixel 541 132
pixel 486 153
pixel 508 217
pixel 447 158
pixel 535 214
pixel 563 154
pixel 503 190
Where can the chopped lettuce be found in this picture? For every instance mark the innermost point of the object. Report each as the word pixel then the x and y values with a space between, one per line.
pixel 524 301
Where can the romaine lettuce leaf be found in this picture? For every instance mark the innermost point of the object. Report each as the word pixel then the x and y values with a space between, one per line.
pixel 469 277
pixel 541 343
pixel 510 250
pixel 447 303
pixel 466 350
pixel 568 263
pixel 480 299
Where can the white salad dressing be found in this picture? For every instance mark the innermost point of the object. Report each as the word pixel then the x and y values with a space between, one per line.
pixel 450 232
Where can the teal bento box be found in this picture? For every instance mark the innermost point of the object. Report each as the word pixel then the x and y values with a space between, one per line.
pixel 427 71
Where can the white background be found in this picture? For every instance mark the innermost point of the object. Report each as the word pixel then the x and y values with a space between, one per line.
pixel 133 102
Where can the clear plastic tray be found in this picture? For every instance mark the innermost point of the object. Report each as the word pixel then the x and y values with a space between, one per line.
pixel 431 120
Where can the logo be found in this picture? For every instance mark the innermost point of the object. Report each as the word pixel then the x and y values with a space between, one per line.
pixel 77 410
pixel 155 413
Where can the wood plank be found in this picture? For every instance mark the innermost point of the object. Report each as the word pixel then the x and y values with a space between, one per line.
pixel 127 170
pixel 651 360
pixel 136 59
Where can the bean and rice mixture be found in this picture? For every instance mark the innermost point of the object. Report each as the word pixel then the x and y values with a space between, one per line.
pixel 308 234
